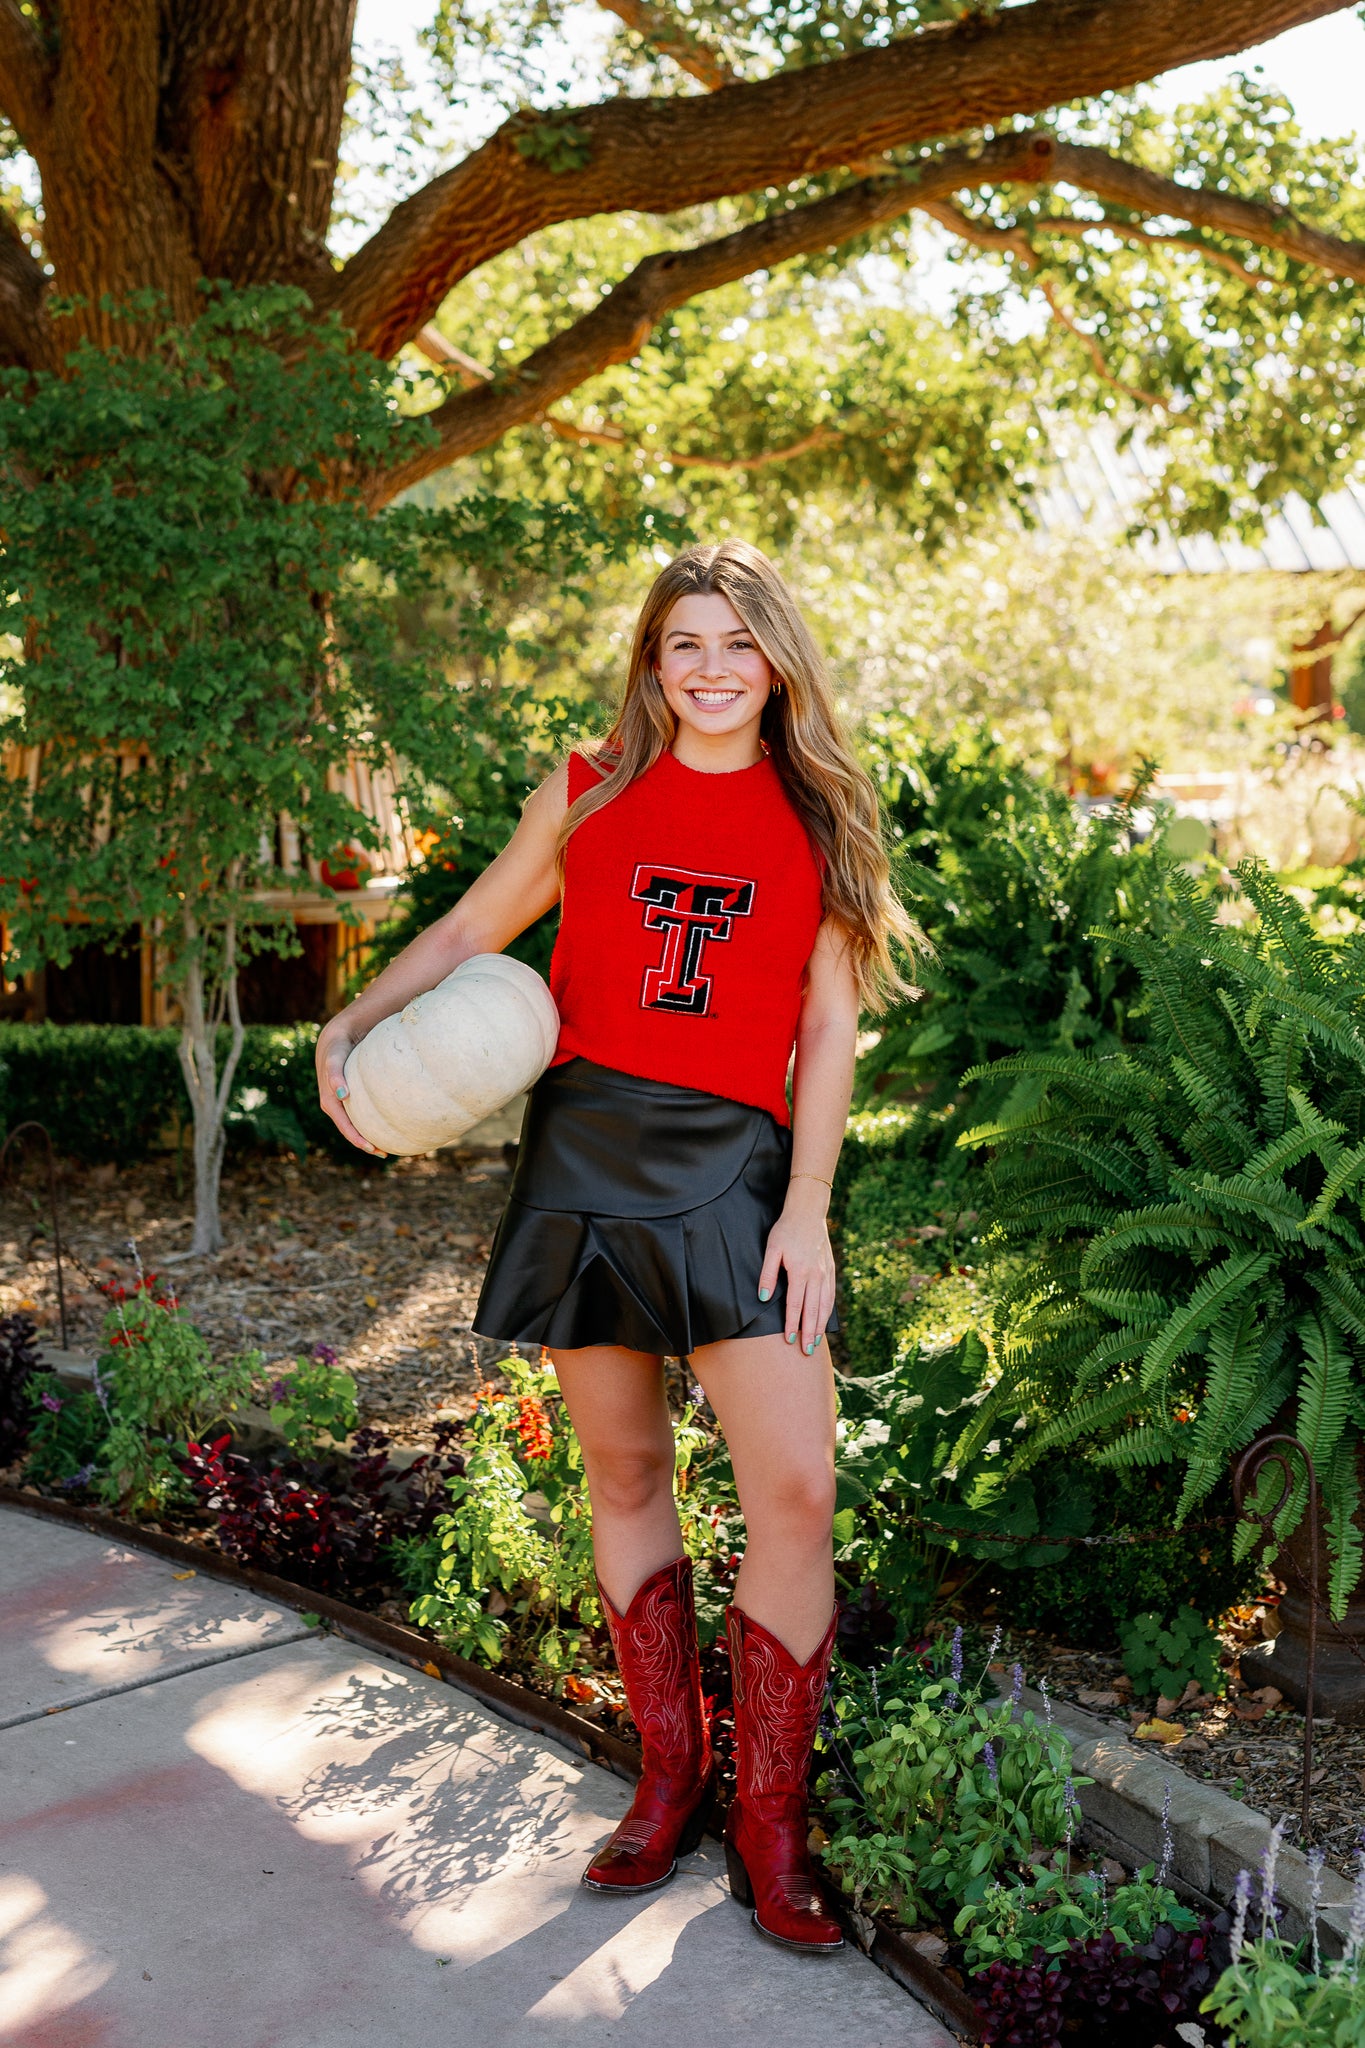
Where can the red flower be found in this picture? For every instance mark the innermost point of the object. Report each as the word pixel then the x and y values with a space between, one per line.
pixel 533 1427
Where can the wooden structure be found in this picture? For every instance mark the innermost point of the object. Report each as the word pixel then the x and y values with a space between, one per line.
pixel 101 986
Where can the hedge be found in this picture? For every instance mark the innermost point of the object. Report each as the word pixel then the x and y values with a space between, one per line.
pixel 114 1091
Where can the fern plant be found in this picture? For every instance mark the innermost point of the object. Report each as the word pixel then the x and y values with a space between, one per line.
pixel 1009 883
pixel 1192 1202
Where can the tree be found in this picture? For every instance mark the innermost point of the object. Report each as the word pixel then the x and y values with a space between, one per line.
pixel 189 140
pixel 183 142
pixel 207 612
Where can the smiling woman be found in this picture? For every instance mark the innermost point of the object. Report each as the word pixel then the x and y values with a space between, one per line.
pixel 726 900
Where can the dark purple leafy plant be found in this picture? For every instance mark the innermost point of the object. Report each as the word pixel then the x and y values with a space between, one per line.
pixel 327 1527
pixel 18 1363
pixel 1136 1995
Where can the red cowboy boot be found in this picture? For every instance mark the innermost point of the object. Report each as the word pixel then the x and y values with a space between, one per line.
pixel 655 1642
pixel 777 1704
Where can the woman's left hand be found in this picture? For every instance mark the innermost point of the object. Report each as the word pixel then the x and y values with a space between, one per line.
pixel 799 1241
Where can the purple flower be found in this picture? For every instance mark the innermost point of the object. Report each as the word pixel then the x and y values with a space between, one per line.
pixel 279 1390
pixel 1047 1699
pixel 1355 1934
pixel 1316 1859
pixel 325 1355
pixel 957 1655
pixel 991 1765
pixel 1239 1918
pixel 1018 1691
pixel 1069 1805
pixel 1269 1863
pixel 52 1404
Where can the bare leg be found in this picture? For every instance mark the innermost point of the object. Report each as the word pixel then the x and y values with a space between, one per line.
pixel 776 1407
pixel 617 1404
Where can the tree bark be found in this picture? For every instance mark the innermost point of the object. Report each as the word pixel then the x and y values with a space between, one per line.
pixel 208 1090
pixel 113 223
pixel 253 103
pixel 661 155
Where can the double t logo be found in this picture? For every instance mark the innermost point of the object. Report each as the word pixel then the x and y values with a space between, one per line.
pixel 688 909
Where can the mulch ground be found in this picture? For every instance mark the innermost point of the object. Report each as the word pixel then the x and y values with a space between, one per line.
pixel 382 1265
pixel 1246 1742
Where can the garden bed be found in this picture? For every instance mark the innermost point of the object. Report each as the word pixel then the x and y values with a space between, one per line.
pixel 384 1266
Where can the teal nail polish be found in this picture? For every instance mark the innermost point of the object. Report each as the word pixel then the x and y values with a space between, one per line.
pixel 820 1339
pixel 765 1294
pixel 809 1349
pixel 791 1336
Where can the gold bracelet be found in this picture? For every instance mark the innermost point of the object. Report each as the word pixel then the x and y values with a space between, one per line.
pixel 813 1176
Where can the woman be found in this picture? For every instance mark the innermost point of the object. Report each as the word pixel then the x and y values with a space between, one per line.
pixel 725 899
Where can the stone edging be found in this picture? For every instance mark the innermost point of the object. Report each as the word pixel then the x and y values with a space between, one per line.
pixel 1215 1836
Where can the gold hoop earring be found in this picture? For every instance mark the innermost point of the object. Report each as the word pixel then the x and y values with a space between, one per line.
pixel 778 687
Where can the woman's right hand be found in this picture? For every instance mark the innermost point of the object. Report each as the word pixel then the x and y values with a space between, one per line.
pixel 333 1046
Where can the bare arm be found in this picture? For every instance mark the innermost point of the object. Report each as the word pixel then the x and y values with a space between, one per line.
pixel 826 1037
pixel 510 894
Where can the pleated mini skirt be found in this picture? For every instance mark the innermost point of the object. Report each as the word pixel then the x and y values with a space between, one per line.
pixel 638 1215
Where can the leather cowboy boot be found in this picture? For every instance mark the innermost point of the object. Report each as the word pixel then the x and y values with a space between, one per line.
pixel 655 1642
pixel 777 1706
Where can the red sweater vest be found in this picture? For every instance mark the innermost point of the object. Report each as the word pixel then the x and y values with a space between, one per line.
pixel 691 906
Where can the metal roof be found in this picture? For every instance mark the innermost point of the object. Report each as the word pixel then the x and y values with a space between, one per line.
pixel 1093 486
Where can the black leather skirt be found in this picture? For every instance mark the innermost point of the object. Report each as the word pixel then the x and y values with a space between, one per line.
pixel 638 1215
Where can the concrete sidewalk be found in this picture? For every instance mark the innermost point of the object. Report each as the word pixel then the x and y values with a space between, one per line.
pixel 221 1830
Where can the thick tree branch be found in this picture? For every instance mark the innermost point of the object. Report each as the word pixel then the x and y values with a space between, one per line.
pixel 26 74
pixel 612 437
pixel 663 154
pixel 666 34
pixel 1121 183
pixel 618 325
pixel 24 335
pixel 615 328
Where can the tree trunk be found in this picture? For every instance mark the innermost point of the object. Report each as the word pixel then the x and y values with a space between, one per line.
pixel 209 1091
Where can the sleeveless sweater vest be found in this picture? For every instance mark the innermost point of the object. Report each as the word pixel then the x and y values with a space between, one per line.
pixel 691 907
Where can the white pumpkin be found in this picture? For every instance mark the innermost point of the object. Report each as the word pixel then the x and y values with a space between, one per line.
pixel 425 1076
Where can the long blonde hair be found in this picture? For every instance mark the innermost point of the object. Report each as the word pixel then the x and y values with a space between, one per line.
pixel 832 795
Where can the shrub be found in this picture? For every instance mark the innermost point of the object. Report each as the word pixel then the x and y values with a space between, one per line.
pixel 334 1528
pixel 1195 1208
pixel 312 1399
pixel 934 1790
pixel 1009 882
pixel 1161 1657
pixel 1089 1595
pixel 18 1366
pixel 897 1467
pixel 510 1566
pixel 110 1091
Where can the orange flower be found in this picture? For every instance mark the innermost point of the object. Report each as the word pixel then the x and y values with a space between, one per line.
pixel 533 1427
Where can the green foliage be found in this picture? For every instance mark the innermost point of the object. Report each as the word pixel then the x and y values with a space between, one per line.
pixel 1193 1202
pixel 512 738
pixel 899 1460
pixel 935 1791
pixel 1010 883
pixel 115 1092
pixel 68 1433
pixel 1090 1594
pixel 156 1388
pixel 161 1389
pixel 312 1399
pixel 1266 2000
pixel 1161 1657
pixel 212 631
pixel 1049 1909
pixel 509 1570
